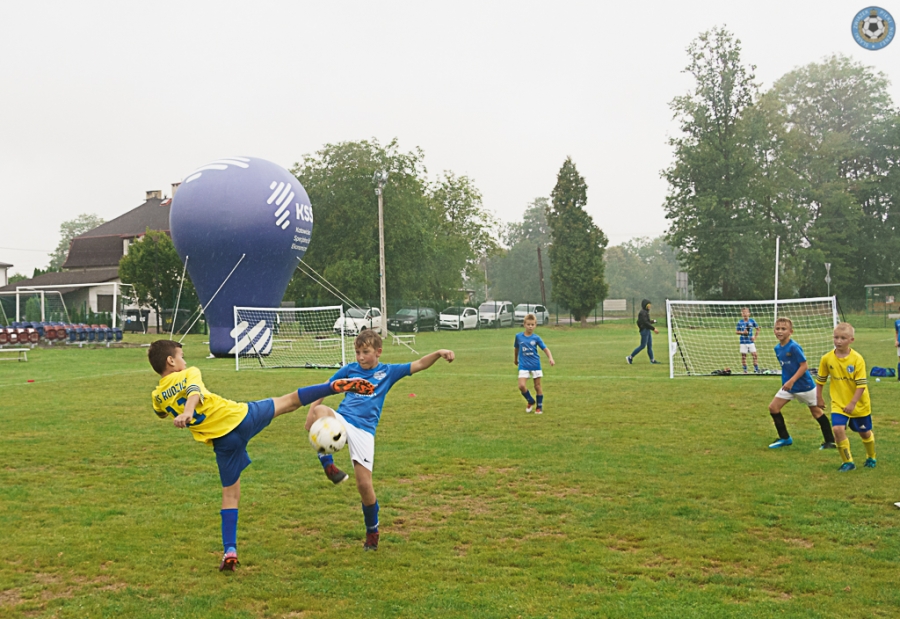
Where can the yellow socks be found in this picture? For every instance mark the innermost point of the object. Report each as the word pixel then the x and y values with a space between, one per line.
pixel 844 449
pixel 869 444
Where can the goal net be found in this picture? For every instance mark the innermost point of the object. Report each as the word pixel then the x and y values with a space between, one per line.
pixel 704 338
pixel 288 337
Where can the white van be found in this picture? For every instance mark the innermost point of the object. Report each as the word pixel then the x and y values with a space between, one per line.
pixel 496 314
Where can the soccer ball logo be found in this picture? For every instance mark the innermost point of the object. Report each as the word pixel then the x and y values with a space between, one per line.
pixel 328 435
pixel 873 28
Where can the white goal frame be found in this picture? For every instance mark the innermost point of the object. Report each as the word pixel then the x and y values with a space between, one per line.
pixel 813 346
pixel 280 337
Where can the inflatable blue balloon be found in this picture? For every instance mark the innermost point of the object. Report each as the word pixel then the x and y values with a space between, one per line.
pixel 245 223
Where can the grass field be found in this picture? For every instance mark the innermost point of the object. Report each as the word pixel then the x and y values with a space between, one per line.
pixel 632 496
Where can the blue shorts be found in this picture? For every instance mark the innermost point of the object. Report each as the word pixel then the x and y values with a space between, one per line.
pixel 857 424
pixel 231 449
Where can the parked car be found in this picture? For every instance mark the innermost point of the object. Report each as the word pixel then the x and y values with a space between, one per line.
pixel 540 313
pixel 459 318
pixel 496 313
pixel 356 320
pixel 413 319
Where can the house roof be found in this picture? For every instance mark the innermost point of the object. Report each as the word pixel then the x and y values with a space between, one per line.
pixel 153 214
pixel 102 246
pixel 3 264
pixel 94 251
pixel 66 278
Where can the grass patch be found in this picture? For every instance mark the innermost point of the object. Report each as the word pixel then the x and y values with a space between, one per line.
pixel 632 496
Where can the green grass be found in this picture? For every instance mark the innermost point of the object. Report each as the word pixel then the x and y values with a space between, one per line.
pixel 632 496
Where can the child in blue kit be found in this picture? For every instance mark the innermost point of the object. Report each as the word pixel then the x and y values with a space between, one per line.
pixel 897 344
pixel 529 361
pixel 225 425
pixel 360 414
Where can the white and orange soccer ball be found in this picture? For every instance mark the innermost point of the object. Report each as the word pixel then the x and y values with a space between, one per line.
pixel 327 435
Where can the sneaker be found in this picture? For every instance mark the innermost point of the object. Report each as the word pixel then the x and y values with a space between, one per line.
pixel 628 359
pixel 539 411
pixel 371 541
pixel 335 474
pixel 353 385
pixel 870 463
pixel 229 561
pixel 828 445
pixel 529 408
pixel 782 442
pixel 654 361
pixel 847 466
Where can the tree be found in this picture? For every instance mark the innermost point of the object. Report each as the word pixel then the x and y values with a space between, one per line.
pixel 433 232
pixel 576 251
pixel 642 268
pixel 514 272
pixel 714 226
pixel 154 269
pixel 68 230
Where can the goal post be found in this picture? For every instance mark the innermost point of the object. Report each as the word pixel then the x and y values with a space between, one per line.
pixel 288 337
pixel 703 338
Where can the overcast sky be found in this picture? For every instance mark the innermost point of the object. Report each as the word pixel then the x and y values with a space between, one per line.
pixel 101 101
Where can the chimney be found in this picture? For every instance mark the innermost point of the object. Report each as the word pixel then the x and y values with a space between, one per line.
pixel 175 188
pixel 156 193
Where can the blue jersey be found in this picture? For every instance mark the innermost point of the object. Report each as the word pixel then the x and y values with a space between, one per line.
pixel 791 356
pixel 897 326
pixel 749 325
pixel 364 411
pixel 529 356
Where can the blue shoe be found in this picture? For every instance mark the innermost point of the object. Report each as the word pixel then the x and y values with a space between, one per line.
pixel 870 463
pixel 654 361
pixel 846 466
pixel 782 442
pixel 628 359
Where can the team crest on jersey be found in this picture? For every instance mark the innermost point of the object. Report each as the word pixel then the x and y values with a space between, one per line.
pixel 850 368
pixel 379 375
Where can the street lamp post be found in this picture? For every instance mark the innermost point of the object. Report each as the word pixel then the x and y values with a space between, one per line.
pixel 828 276
pixel 380 178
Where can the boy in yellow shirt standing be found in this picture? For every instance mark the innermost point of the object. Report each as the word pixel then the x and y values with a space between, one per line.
pixel 850 404
pixel 225 425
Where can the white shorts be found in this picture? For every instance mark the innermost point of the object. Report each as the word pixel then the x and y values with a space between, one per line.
pixel 530 374
pixel 898 351
pixel 807 397
pixel 360 443
pixel 745 348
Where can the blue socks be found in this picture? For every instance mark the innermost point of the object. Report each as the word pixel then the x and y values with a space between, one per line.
pixel 370 513
pixel 229 528
pixel 326 460
pixel 310 394
pixel 540 401
pixel 528 398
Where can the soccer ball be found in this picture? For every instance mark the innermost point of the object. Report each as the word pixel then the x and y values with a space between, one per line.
pixel 327 435
pixel 872 28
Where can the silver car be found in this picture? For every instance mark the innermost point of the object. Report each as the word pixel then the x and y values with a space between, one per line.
pixel 540 313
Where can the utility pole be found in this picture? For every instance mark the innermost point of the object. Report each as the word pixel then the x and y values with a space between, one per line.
pixel 380 178
pixel 541 272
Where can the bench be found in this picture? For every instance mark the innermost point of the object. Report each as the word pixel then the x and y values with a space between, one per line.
pixel 21 354
pixel 403 339
pixel 328 342
pixel 285 344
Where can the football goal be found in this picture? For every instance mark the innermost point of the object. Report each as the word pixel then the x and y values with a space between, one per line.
pixel 704 338
pixel 288 337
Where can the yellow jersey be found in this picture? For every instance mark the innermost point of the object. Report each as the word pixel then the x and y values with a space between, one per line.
pixel 214 416
pixel 847 375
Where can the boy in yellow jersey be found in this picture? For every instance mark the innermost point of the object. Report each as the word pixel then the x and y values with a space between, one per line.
pixel 225 425
pixel 850 405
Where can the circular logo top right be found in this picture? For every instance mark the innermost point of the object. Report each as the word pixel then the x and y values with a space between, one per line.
pixel 873 28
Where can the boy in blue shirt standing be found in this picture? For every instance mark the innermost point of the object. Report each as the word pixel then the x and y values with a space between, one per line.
pixel 897 344
pixel 796 384
pixel 360 415
pixel 745 328
pixel 528 359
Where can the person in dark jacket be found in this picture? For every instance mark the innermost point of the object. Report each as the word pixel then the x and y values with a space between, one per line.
pixel 645 324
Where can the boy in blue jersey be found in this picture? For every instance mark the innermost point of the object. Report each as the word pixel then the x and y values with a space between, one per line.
pixel 360 414
pixel 748 330
pixel 528 359
pixel 796 384
pixel 897 344
pixel 225 425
